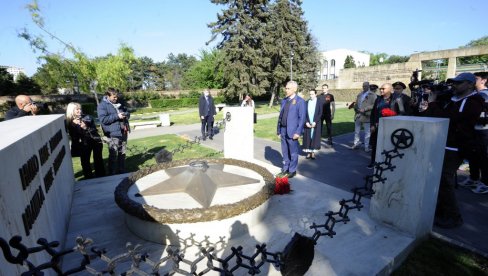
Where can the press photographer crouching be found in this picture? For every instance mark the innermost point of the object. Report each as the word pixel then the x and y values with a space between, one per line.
pixel 463 110
pixel 24 106
pixel 84 140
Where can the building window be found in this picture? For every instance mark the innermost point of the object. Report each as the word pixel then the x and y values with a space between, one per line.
pixel 325 69
pixel 332 69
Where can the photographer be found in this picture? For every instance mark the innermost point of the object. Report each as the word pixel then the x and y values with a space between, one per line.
pixel 463 111
pixel 84 140
pixel 23 107
pixel 114 119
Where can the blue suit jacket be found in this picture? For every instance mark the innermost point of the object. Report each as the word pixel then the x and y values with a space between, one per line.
pixel 296 116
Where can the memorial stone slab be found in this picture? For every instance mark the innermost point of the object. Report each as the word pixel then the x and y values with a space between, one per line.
pixel 239 133
pixel 36 186
pixel 407 199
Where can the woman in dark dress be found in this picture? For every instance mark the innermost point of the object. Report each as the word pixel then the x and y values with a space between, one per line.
pixel 84 140
pixel 312 132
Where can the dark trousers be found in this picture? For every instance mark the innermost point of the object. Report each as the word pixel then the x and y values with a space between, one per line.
pixel 116 154
pixel 373 141
pixel 96 147
pixel 328 126
pixel 478 163
pixel 447 206
pixel 289 150
pixel 207 126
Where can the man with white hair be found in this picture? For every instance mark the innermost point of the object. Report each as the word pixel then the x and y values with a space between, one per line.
pixel 290 127
pixel 362 108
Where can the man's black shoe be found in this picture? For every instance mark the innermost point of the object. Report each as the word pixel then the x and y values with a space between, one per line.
pixel 291 174
pixel 204 138
pixel 211 137
pixel 282 174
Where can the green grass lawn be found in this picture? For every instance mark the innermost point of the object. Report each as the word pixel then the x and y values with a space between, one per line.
pixel 343 123
pixel 141 152
pixel 435 257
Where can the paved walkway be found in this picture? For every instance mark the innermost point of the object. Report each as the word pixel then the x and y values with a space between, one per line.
pixel 341 167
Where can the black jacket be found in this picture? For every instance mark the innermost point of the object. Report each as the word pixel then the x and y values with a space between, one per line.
pixel 15 112
pixel 205 109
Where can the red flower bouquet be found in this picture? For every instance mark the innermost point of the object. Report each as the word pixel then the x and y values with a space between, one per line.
pixel 387 112
pixel 282 186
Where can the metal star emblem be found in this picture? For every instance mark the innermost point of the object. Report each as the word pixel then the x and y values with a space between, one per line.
pixel 198 180
pixel 402 138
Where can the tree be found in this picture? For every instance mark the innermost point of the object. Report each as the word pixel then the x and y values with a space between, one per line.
pixel 143 74
pixel 241 26
pixel 483 59
pixel 205 73
pixel 376 59
pixel 176 67
pixel 396 59
pixel 79 69
pixel 27 86
pixel 349 62
pixel 288 40
pixel 115 71
pixel 6 82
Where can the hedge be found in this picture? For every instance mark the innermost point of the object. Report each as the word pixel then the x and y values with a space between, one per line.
pixel 182 102
pixel 89 108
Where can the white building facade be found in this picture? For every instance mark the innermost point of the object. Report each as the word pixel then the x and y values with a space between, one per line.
pixel 332 62
pixel 14 71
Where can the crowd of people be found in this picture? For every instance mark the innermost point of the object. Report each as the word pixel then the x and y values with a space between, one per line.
pixel 464 103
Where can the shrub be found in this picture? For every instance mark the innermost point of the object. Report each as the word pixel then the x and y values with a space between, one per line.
pixel 182 102
pixel 89 108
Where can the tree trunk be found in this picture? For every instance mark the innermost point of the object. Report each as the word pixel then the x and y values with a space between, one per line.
pixel 273 95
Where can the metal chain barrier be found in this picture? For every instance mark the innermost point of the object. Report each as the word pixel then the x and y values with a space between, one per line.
pixel 207 257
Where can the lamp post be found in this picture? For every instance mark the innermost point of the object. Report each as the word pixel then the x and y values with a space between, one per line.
pixel 291 59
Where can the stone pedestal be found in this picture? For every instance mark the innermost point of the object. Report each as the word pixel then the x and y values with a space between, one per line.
pixel 36 186
pixel 408 197
pixel 164 118
pixel 239 133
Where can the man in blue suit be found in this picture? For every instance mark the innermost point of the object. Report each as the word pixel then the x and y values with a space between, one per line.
pixel 290 127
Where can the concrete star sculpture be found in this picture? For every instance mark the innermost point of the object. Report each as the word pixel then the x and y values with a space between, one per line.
pixel 198 180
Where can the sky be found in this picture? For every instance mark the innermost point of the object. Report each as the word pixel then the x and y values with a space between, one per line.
pixel 156 28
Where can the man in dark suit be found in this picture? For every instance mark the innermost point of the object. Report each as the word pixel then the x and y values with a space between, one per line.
pixel 290 127
pixel 206 109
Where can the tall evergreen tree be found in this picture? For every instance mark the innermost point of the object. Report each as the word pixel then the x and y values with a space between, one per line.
pixel 290 48
pixel 242 32
pixel 349 62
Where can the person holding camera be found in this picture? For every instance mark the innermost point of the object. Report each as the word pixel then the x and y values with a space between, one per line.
pixel 463 111
pixel 23 107
pixel 84 140
pixel 114 119
pixel 248 101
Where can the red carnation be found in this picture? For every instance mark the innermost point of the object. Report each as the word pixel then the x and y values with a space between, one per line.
pixel 387 112
pixel 282 186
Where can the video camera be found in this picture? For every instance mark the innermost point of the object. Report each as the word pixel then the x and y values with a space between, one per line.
pixel 441 90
